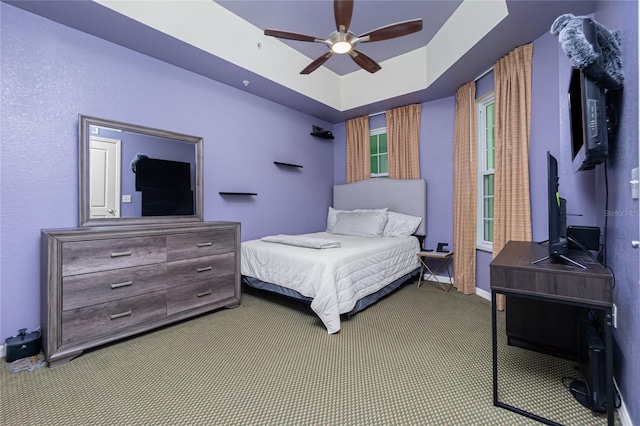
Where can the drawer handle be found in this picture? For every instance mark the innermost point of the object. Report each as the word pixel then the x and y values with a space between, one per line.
pixel 205 244
pixel 204 293
pixel 121 254
pixel 208 268
pixel 124 284
pixel 120 315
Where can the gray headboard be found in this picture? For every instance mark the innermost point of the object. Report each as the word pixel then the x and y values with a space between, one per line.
pixel 408 196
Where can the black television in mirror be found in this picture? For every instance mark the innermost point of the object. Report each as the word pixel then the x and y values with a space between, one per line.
pixel 158 173
pixel 557 213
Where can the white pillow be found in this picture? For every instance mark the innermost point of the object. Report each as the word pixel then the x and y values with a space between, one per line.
pixel 360 224
pixel 401 225
pixel 332 216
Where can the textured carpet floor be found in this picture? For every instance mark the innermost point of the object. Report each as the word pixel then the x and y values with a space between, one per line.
pixel 418 357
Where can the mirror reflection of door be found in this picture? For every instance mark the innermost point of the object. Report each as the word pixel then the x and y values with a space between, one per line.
pixel 105 177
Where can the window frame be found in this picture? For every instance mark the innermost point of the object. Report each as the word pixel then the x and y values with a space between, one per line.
pixel 482 169
pixel 376 132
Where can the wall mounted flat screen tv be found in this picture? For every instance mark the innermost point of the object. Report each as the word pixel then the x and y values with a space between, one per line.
pixel 593 105
pixel 588 113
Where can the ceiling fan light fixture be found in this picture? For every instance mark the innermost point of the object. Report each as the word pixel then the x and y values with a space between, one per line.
pixel 344 41
pixel 341 47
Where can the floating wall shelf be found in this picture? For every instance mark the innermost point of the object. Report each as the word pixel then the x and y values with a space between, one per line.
pixel 319 132
pixel 323 135
pixel 279 163
pixel 237 193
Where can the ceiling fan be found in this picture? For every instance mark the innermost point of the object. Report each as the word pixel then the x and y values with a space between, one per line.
pixel 343 41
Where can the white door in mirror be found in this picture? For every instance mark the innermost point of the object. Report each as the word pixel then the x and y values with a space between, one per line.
pixel 105 177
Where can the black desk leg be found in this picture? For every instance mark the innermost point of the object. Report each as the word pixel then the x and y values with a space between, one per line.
pixel 494 337
pixel 609 361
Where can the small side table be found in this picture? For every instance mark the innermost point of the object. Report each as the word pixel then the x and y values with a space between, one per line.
pixel 444 259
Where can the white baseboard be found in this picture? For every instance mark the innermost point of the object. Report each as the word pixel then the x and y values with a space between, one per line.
pixel 625 419
pixel 483 293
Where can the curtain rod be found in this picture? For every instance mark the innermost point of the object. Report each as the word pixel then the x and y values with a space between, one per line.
pixel 475 79
pixel 483 74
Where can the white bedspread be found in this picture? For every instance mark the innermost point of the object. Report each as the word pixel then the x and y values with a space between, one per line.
pixel 335 279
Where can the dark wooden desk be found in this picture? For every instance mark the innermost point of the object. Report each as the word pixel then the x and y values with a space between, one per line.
pixel 512 273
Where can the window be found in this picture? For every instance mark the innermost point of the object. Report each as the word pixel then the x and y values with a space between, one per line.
pixel 379 156
pixel 485 178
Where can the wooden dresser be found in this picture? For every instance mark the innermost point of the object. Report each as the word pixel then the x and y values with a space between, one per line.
pixel 106 283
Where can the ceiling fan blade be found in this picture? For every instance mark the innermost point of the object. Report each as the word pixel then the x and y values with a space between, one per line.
pixel 290 36
pixel 316 64
pixel 343 10
pixel 364 61
pixel 394 30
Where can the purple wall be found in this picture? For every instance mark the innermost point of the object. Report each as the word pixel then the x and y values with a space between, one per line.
pixel 51 73
pixel 622 228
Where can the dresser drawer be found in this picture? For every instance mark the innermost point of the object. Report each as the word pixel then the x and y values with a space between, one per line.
pixel 200 293
pixel 82 257
pixel 95 320
pixel 198 244
pixel 200 269
pixel 83 290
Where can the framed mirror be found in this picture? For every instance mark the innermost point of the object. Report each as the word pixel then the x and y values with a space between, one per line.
pixel 130 174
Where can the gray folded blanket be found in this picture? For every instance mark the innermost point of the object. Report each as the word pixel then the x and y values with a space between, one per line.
pixel 302 241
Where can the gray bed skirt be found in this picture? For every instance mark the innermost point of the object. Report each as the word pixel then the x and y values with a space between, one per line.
pixel 360 304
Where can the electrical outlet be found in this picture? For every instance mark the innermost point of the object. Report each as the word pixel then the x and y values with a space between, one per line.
pixel 614 314
pixel 634 184
pixel 126 198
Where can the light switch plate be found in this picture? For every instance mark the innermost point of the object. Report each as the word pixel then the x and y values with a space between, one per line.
pixel 126 198
pixel 634 184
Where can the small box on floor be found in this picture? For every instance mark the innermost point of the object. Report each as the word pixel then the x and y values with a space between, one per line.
pixel 23 345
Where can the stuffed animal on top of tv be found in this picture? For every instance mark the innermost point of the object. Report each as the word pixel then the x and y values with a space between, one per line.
pixel 605 68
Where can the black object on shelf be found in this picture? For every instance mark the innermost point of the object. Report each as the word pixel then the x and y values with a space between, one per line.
pixel 236 193
pixel 324 135
pixel 441 248
pixel 279 163
pixel 319 132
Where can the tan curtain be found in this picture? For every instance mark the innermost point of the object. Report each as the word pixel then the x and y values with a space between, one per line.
pixel 403 140
pixel 358 149
pixel 464 190
pixel 512 208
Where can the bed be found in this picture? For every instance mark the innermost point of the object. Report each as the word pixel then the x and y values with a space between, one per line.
pixel 374 230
